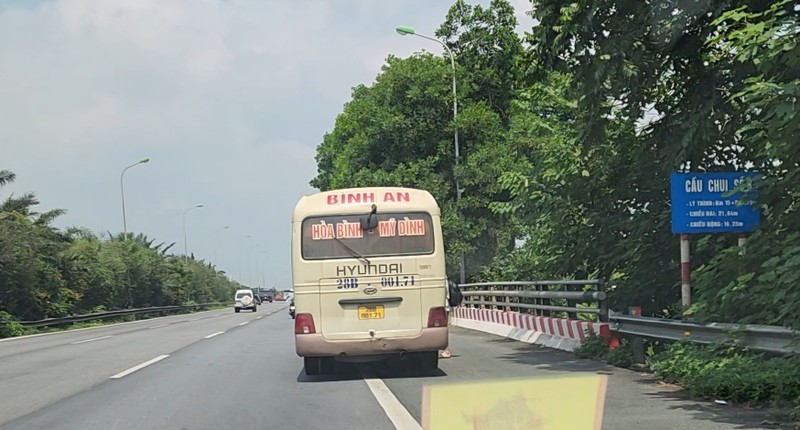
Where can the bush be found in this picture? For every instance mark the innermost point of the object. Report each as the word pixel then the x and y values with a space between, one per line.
pixel 730 373
pixel 621 356
pixel 722 371
pixel 593 347
pixel 9 327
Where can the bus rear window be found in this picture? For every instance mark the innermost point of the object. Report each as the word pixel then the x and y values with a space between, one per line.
pixel 397 234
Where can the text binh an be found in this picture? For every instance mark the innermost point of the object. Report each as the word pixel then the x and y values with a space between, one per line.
pixel 368 197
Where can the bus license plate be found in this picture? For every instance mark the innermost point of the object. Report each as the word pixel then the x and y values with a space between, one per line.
pixel 370 312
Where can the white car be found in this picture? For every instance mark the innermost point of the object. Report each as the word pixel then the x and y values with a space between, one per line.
pixel 244 299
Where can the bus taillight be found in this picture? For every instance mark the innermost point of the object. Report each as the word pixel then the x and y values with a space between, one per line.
pixel 437 317
pixel 304 324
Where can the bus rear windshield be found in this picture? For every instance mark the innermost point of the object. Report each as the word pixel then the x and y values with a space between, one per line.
pixel 328 237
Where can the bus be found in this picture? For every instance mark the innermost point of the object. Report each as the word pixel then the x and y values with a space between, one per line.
pixel 368 270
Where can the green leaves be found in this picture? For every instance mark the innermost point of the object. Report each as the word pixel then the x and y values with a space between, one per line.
pixel 761 286
pixel 400 131
pixel 45 272
pixel 562 177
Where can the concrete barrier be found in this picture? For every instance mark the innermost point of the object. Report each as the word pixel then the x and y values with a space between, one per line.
pixel 558 333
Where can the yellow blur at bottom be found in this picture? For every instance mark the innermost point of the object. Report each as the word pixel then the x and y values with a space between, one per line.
pixel 547 403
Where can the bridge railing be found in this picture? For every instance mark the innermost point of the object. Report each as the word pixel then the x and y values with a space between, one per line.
pixel 568 298
pixel 587 298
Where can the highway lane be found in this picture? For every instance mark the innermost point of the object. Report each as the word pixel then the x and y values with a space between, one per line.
pixel 633 400
pixel 39 370
pixel 250 376
pixel 23 344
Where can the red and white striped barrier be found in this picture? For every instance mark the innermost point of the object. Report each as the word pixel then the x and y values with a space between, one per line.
pixel 558 333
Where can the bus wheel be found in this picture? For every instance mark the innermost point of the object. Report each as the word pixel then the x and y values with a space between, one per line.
pixel 327 365
pixel 429 360
pixel 313 365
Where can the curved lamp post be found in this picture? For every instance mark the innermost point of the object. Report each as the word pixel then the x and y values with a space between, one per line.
pixel 216 233
pixel 122 193
pixel 185 246
pixel 405 30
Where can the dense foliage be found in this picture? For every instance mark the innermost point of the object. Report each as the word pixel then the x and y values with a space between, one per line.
pixel 717 371
pixel 46 272
pixel 569 134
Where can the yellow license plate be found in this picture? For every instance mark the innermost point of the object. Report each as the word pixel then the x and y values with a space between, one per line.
pixel 370 312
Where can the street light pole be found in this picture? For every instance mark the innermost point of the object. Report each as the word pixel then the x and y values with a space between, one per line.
pixel 250 265
pixel 215 241
pixel 185 243
pixel 122 194
pixel 403 31
pixel 241 281
pixel 263 272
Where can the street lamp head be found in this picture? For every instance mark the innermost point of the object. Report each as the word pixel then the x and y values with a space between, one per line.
pixel 404 30
pixel 226 227
pixel 199 205
pixel 144 160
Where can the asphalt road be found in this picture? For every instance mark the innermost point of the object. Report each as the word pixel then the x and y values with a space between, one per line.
pixel 218 369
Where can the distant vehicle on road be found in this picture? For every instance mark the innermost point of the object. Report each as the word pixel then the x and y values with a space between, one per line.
pixel 279 297
pixel 244 299
pixel 265 294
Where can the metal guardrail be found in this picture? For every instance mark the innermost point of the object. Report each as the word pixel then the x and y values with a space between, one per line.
pixel 771 339
pixel 549 298
pixel 111 314
pixel 537 298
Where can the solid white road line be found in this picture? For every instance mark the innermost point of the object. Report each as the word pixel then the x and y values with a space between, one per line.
pixel 243 323
pixel 214 334
pixel 397 413
pixel 138 367
pixel 259 317
pixel 158 326
pixel 91 340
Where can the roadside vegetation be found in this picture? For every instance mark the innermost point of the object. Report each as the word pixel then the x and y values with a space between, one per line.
pixel 714 372
pixel 568 136
pixel 47 272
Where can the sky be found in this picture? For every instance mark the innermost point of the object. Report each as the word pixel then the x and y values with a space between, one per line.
pixel 228 98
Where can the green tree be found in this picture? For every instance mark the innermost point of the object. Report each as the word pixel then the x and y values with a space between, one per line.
pixel 761 286
pixel 487 46
pixel 629 61
pixel 399 131
pixel 30 284
pixel 49 272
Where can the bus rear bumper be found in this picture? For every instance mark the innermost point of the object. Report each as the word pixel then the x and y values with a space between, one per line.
pixel 315 345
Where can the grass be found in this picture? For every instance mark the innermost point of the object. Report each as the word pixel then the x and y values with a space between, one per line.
pixel 719 372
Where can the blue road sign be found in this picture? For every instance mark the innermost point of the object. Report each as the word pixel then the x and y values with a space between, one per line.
pixel 706 203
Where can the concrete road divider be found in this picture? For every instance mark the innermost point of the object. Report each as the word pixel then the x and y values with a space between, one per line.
pixel 559 333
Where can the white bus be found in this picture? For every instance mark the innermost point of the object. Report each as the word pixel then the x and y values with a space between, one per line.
pixel 368 270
